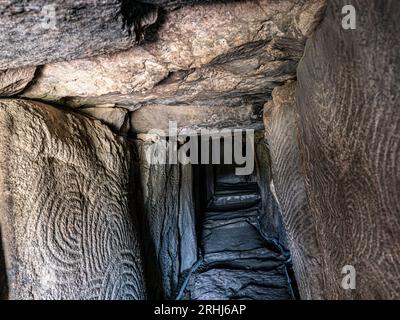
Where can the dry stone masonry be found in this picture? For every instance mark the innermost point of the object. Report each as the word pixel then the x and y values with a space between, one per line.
pixel 67 229
pixel 85 215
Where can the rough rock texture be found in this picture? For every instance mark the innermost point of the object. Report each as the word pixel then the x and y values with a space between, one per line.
pixel 236 284
pixel 213 54
pixel 196 35
pixel 190 117
pixel 288 182
pixel 310 16
pixel 65 216
pixel 13 81
pixel 270 219
pixel 244 75
pixel 122 73
pixel 116 118
pixel 167 220
pixel 81 29
pixel 349 120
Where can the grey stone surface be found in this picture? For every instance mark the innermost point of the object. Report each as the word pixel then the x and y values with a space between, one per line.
pixel 349 117
pixel 81 29
pixel 270 219
pixel 214 284
pixel 13 81
pixel 66 217
pixel 164 193
pixel 67 211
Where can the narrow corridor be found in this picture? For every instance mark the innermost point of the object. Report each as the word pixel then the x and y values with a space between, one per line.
pixel 238 263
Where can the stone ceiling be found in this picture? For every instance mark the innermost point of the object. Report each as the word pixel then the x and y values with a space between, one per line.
pixel 206 63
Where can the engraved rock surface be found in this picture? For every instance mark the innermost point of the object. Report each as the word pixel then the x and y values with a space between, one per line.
pixel 66 218
pixel 288 181
pixel 349 122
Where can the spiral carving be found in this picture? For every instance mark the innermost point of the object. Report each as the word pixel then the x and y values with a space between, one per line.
pixel 69 225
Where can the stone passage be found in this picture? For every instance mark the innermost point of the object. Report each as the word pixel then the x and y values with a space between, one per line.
pixel 238 263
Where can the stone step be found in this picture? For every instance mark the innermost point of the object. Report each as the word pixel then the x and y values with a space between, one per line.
pixel 226 174
pixel 234 189
pixel 228 284
pixel 231 202
pixel 227 215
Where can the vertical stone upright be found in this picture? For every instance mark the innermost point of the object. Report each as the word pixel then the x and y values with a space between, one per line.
pixel 270 218
pixel 65 215
pixel 349 122
pixel 13 81
pixel 288 181
pixel 165 192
